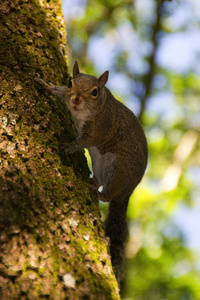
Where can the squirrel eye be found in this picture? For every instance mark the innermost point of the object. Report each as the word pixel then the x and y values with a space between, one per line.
pixel 70 84
pixel 95 92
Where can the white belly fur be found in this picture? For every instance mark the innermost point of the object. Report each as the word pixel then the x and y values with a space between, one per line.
pixel 102 165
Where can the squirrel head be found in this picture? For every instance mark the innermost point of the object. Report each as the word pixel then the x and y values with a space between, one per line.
pixel 85 91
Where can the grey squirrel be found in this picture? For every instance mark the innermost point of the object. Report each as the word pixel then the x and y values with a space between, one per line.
pixel 117 146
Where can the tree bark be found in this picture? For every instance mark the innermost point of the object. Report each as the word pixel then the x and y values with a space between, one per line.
pixel 52 242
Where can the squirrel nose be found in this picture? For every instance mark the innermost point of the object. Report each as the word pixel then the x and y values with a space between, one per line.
pixel 76 100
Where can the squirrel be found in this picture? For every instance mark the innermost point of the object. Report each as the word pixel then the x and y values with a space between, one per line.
pixel 117 146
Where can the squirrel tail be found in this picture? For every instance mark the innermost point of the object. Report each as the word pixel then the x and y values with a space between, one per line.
pixel 116 229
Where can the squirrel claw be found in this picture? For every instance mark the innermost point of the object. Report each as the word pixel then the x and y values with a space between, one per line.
pixel 103 198
pixel 94 183
pixel 66 147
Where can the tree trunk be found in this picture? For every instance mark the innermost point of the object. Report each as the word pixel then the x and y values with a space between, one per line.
pixel 52 243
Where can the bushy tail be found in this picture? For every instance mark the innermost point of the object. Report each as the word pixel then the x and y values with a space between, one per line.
pixel 117 230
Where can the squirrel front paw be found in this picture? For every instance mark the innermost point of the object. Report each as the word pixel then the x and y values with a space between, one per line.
pixel 67 148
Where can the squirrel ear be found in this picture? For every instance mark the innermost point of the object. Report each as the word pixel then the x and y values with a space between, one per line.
pixel 103 79
pixel 75 69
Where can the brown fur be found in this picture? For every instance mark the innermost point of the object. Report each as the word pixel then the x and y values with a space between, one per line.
pixel 118 148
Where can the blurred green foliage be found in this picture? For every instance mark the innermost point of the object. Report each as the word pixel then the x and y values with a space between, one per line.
pixel 160 266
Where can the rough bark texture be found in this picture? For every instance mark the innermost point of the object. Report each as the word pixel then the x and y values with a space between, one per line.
pixel 52 243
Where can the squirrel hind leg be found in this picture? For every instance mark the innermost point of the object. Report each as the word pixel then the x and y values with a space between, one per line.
pixel 102 197
pixel 95 186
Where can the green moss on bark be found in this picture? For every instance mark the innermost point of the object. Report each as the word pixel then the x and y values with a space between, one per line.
pixel 50 226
